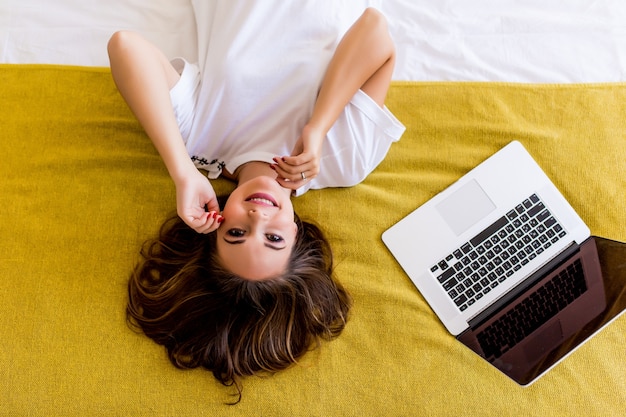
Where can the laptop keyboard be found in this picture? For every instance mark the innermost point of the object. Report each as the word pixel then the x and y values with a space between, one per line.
pixel 487 260
pixel 534 311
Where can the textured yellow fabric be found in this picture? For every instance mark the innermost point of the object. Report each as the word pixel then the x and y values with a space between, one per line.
pixel 81 187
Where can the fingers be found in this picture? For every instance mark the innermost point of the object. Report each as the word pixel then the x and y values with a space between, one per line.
pixel 212 223
pixel 206 222
pixel 295 170
pixel 197 204
pixel 290 185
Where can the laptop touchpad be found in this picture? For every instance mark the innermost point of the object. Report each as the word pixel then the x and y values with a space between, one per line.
pixel 465 207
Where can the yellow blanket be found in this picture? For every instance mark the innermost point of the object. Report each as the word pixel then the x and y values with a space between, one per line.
pixel 81 187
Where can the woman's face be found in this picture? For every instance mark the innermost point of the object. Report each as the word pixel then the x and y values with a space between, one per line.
pixel 258 233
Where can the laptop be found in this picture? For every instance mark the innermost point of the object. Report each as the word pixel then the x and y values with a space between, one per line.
pixel 506 264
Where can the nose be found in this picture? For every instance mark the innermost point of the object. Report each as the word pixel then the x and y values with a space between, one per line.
pixel 258 214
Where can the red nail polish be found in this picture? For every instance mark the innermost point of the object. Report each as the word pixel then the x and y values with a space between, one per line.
pixel 273 167
pixel 220 220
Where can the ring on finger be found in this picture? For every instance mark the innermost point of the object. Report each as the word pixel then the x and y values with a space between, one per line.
pixel 303 176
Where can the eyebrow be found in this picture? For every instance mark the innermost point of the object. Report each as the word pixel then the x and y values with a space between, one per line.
pixel 240 241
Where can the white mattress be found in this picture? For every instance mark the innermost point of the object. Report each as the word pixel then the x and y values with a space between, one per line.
pixel 553 41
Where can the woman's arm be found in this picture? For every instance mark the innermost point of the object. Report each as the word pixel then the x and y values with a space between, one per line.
pixel 365 60
pixel 144 77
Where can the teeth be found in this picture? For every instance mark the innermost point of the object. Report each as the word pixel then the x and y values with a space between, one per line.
pixel 263 201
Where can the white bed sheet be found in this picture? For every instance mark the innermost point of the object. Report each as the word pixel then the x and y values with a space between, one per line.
pixel 76 32
pixel 554 41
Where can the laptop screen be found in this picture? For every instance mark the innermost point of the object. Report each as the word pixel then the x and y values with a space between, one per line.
pixel 557 315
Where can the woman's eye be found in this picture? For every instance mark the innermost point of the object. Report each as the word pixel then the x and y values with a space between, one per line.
pixel 236 232
pixel 274 238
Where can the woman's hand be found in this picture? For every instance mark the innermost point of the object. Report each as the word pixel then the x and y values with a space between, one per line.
pixel 196 202
pixel 304 163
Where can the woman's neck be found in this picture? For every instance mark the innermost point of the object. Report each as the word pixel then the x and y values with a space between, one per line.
pixel 254 169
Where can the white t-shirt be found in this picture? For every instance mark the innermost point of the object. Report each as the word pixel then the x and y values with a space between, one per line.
pixel 261 66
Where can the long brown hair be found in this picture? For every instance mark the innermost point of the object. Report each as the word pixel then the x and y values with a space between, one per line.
pixel 205 316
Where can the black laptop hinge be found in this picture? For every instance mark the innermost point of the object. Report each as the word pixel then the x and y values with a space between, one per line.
pixel 514 292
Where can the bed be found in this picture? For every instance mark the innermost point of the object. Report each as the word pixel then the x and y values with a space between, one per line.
pixel 82 188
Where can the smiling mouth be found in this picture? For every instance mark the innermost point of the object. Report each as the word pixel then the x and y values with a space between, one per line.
pixel 262 199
